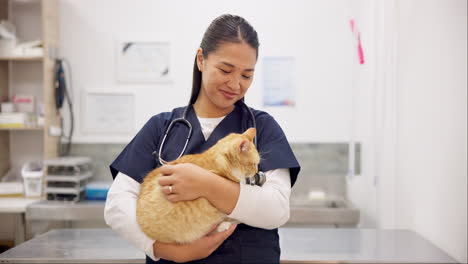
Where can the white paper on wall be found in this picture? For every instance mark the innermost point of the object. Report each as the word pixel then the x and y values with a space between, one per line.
pixel 108 113
pixel 143 61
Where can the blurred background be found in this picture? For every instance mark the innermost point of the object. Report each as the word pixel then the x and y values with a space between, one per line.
pixel 372 96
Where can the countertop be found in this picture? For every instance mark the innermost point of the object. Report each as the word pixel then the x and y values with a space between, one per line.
pixel 16 204
pixel 66 211
pixel 298 245
pixel 343 216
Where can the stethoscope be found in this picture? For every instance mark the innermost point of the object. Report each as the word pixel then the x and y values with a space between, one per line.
pixel 258 179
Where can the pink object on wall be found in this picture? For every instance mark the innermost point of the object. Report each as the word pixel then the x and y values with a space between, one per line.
pixel 360 50
pixel 357 35
pixel 351 23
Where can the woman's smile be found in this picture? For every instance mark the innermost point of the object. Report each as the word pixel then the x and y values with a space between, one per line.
pixel 228 95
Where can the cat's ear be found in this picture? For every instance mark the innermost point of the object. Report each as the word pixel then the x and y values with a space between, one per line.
pixel 244 146
pixel 250 133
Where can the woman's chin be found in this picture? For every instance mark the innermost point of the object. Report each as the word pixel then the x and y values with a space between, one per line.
pixel 226 105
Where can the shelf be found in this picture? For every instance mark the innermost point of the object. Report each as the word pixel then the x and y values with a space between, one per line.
pixel 37 21
pixel 21 58
pixel 39 128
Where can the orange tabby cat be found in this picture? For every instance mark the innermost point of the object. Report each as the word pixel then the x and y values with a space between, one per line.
pixel 233 157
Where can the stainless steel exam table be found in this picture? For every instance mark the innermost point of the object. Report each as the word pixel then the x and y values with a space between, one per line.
pixel 298 245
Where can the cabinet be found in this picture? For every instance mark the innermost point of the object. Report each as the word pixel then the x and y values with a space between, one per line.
pixel 33 19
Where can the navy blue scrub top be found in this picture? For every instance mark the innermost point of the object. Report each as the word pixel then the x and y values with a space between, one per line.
pixel 136 161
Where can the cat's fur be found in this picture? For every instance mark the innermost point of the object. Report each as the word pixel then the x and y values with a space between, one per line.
pixel 233 157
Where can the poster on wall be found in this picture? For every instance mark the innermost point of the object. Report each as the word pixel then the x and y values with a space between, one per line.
pixel 278 81
pixel 109 113
pixel 143 61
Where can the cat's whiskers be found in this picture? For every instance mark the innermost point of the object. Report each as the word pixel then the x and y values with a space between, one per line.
pixel 260 154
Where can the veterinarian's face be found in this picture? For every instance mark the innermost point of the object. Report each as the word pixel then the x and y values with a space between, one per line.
pixel 227 73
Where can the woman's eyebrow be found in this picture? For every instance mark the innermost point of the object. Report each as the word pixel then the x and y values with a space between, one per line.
pixel 230 65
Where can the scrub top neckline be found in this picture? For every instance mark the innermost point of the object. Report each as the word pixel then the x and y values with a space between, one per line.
pixel 211 119
pixel 197 125
pixel 209 124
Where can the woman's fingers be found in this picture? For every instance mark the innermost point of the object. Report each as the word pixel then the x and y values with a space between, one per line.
pixel 173 198
pixel 167 169
pixel 206 245
pixel 166 180
pixel 212 229
pixel 218 238
pixel 168 189
pixel 166 177
pixel 185 179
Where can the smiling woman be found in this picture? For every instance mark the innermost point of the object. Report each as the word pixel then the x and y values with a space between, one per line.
pixel 223 72
pixel 226 76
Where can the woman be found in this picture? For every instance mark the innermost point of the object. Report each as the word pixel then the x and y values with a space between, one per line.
pixel 223 71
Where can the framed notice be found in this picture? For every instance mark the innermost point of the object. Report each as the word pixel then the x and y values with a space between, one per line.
pixel 109 113
pixel 143 61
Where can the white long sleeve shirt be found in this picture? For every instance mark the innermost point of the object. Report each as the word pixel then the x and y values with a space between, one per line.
pixel 264 207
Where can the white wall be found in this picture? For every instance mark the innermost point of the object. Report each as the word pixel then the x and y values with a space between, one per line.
pixel 416 148
pixel 432 122
pixel 316 33
pixel 361 189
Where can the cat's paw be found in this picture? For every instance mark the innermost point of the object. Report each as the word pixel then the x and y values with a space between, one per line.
pixel 223 226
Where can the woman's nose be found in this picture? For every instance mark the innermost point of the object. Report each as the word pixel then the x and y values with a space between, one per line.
pixel 234 83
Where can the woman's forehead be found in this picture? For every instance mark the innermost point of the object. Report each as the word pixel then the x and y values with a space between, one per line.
pixel 239 55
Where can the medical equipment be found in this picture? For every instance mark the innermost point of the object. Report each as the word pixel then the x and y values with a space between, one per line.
pixel 67 177
pixel 62 86
pixel 258 179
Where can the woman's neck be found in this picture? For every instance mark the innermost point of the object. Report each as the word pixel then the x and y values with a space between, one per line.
pixel 208 110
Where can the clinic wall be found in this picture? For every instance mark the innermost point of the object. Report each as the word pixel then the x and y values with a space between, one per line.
pixel 432 122
pixel 361 188
pixel 414 88
pixel 411 118
pixel 315 33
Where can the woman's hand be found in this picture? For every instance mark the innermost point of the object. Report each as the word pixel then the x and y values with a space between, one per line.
pixel 183 182
pixel 186 181
pixel 199 249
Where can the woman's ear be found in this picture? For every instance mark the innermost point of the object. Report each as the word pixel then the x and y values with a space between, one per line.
pixel 200 59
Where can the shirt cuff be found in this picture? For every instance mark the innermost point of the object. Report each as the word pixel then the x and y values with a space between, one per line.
pixel 148 249
pixel 267 206
pixel 248 195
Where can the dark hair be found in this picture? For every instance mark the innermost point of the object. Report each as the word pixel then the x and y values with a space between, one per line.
pixel 225 28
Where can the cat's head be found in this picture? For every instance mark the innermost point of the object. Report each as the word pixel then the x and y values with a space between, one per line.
pixel 238 152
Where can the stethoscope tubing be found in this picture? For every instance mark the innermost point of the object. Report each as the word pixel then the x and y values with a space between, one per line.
pixel 184 121
pixel 259 178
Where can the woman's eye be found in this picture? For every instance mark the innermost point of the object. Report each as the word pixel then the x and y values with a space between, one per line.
pixel 243 76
